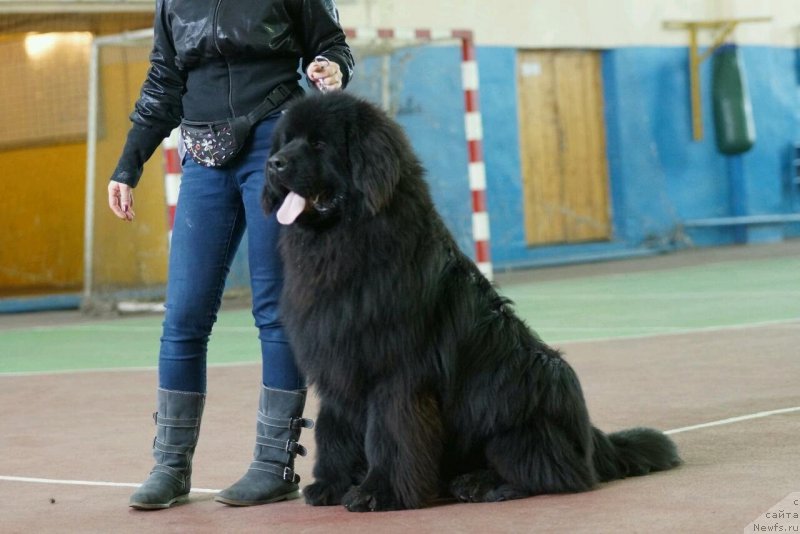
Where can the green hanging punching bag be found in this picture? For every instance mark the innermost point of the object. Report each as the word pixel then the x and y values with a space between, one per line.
pixel 733 112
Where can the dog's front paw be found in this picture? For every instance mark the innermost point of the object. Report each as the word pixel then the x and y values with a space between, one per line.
pixel 323 494
pixel 470 487
pixel 484 486
pixel 362 499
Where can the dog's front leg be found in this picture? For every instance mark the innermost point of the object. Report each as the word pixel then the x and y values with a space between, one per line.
pixel 340 461
pixel 403 446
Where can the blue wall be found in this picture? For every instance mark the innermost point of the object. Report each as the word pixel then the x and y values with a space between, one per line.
pixel 659 177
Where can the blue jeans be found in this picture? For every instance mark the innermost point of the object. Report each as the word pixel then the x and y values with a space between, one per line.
pixel 214 207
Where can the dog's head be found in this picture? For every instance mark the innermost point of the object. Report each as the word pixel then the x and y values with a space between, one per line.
pixel 334 156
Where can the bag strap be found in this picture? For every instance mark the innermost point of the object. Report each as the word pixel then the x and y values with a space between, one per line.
pixel 275 98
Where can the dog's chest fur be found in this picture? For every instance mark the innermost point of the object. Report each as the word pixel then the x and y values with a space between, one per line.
pixel 356 308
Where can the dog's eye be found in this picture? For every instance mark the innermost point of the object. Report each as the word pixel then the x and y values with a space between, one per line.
pixel 318 145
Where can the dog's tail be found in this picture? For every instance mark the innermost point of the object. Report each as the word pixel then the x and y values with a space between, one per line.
pixel 633 452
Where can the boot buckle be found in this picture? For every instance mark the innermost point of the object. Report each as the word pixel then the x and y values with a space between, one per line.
pixel 288 474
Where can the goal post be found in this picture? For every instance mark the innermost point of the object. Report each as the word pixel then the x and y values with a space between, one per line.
pixel 426 79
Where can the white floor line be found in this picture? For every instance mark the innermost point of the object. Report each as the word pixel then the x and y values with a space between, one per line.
pixel 730 420
pixel 720 422
pixel 117 328
pixel 113 370
pixel 538 296
pixel 721 328
pixel 106 328
pixel 89 483
pixel 677 331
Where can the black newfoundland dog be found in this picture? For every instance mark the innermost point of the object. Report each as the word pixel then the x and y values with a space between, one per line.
pixel 430 385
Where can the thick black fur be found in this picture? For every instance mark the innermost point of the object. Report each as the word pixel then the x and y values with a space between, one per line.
pixel 429 383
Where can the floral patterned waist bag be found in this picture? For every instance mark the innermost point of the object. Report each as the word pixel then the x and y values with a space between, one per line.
pixel 214 144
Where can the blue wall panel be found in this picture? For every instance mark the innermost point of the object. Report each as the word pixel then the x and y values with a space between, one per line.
pixel 775 91
pixel 501 146
pixel 659 176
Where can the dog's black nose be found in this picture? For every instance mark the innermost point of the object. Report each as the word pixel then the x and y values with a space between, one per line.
pixel 277 163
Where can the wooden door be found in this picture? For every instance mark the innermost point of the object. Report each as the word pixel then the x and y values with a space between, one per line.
pixel 563 147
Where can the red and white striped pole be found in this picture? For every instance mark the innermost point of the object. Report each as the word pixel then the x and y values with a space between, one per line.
pixel 172 175
pixel 473 125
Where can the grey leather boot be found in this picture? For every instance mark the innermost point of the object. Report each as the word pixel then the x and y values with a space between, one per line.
pixel 177 428
pixel 271 475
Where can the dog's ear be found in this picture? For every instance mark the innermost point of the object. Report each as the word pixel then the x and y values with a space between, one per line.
pixel 269 199
pixel 375 159
pixel 270 195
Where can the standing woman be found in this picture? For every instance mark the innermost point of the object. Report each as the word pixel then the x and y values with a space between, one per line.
pixel 223 69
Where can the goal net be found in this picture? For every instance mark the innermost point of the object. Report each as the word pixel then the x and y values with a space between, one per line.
pixel 418 77
pixel 122 262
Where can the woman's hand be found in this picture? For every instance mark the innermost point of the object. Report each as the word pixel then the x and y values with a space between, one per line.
pixel 120 200
pixel 325 74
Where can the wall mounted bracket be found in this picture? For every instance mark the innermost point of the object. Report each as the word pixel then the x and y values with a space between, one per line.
pixel 721 30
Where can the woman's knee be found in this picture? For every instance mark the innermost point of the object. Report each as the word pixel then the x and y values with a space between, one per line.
pixel 186 323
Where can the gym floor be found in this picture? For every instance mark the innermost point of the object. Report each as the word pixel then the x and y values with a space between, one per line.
pixel 700 343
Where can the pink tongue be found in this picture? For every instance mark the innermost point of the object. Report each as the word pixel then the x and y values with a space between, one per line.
pixel 293 205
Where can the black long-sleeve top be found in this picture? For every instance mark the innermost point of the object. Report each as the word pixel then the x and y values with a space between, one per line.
pixel 215 59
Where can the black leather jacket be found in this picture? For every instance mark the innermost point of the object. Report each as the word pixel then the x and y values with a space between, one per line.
pixel 215 59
